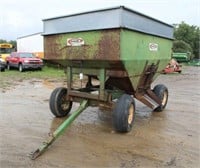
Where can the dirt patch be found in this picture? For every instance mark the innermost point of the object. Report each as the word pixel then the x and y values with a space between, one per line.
pixel 167 139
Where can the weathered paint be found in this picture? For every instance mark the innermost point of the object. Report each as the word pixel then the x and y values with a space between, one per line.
pixel 123 53
pixel 99 45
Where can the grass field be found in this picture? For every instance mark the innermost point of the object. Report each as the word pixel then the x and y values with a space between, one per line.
pixel 10 77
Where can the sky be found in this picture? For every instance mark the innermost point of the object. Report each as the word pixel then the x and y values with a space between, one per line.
pixel 24 17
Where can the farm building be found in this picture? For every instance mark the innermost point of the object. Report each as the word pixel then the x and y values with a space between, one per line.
pixel 31 43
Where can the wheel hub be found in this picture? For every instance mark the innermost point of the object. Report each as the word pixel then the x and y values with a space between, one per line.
pixel 65 104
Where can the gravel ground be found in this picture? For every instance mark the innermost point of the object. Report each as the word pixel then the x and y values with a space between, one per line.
pixel 166 139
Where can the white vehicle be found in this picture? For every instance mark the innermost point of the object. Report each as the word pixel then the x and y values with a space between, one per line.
pixel 2 65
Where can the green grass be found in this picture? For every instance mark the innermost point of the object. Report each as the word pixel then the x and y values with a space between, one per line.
pixel 9 77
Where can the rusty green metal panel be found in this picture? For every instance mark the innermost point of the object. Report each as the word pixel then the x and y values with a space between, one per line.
pixel 137 48
pixel 98 45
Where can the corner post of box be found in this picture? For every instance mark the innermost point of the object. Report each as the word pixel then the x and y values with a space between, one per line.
pixel 69 78
pixel 102 77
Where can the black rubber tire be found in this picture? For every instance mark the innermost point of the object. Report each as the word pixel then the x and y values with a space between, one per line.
pixel 20 67
pixel 2 69
pixel 122 120
pixel 162 92
pixel 59 106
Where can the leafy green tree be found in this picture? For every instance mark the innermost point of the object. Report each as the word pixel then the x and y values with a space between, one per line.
pixel 188 34
pixel 196 43
pixel 3 41
pixel 13 42
pixel 181 46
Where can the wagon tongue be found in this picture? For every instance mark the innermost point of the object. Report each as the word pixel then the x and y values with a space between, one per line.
pixel 42 148
pixel 52 137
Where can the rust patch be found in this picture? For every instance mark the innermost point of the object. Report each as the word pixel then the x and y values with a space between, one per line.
pixel 51 47
pixel 109 45
pixel 117 73
pixel 103 52
pixel 75 53
pixel 106 49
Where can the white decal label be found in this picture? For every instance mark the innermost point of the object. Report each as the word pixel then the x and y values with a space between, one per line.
pixel 153 47
pixel 75 42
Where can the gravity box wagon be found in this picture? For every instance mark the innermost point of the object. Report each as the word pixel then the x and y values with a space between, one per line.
pixel 122 49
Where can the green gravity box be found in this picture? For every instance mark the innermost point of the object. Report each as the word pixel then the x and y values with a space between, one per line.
pixel 119 40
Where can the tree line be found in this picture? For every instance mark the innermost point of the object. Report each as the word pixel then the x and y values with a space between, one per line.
pixel 186 39
pixel 13 42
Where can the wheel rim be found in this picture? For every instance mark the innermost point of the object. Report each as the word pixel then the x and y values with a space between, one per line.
pixel 65 104
pixel 164 100
pixel 130 114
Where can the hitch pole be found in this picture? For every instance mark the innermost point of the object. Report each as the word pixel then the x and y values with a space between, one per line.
pixel 58 131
